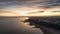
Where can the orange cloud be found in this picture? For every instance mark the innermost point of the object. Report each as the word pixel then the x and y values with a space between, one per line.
pixel 28 11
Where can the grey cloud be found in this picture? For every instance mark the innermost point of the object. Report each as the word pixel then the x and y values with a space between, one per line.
pixel 45 4
pixel 37 3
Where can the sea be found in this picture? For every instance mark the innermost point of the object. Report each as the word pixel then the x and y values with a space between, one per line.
pixel 16 25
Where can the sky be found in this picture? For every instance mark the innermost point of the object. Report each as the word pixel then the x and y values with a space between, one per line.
pixel 18 7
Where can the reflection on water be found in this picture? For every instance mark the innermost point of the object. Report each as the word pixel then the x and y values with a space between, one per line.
pixel 16 25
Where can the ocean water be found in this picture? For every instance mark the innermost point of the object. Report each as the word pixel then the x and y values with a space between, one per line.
pixel 15 25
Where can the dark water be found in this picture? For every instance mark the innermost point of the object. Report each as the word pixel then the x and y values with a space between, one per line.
pixel 11 25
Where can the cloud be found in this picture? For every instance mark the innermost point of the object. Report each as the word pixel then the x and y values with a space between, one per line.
pixel 4 11
pixel 20 0
pixel 46 4
pixel 4 3
pixel 31 3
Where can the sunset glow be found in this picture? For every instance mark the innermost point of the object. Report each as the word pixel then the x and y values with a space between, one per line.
pixel 29 8
pixel 31 12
